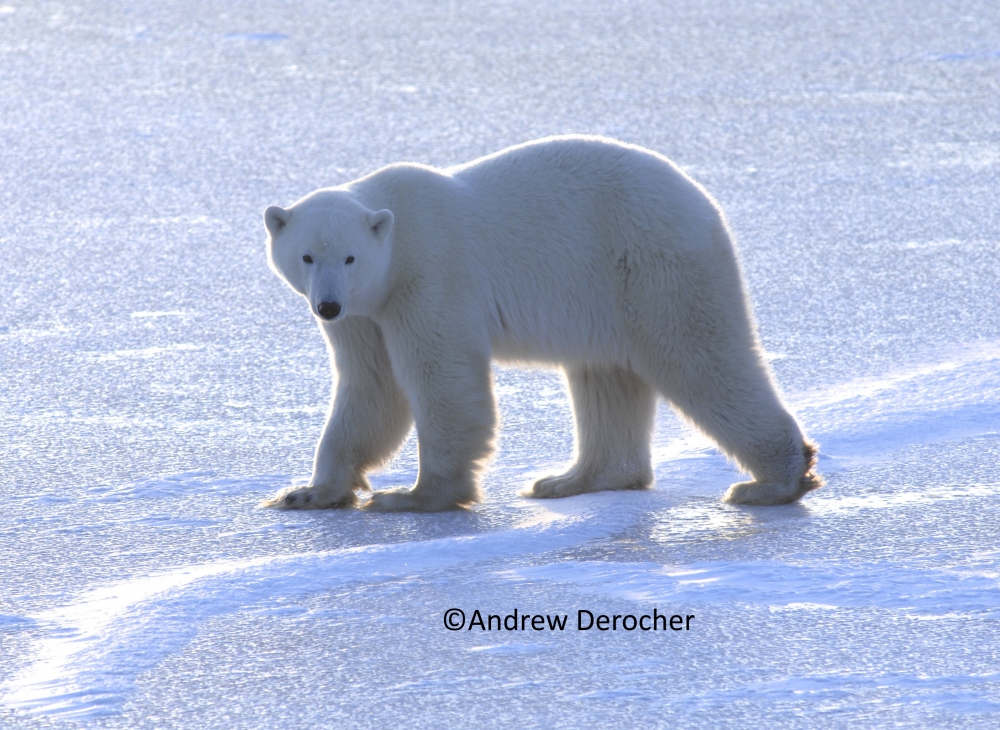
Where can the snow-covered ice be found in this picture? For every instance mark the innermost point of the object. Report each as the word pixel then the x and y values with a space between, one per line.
pixel 157 380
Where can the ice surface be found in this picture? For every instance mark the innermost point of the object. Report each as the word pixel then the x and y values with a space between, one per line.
pixel 157 380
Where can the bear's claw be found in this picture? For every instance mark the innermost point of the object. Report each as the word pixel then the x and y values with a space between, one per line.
pixel 308 498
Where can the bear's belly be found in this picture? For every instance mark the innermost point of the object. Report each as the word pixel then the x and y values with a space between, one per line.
pixel 559 343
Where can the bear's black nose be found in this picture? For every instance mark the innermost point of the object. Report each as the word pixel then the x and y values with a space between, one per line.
pixel 328 310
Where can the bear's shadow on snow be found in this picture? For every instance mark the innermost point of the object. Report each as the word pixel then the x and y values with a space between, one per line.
pixel 364 527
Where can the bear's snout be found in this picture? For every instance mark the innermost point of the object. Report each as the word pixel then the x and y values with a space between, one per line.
pixel 328 310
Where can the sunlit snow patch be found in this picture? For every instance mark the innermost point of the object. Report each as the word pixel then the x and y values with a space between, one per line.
pixel 157 314
pixel 255 37
pixel 956 397
pixel 782 585
pixel 511 649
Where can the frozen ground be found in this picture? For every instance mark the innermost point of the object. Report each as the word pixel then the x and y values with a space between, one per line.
pixel 157 380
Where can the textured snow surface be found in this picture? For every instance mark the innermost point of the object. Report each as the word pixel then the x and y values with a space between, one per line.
pixel 157 381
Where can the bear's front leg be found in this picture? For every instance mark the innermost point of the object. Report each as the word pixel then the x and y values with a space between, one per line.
pixel 451 394
pixel 368 420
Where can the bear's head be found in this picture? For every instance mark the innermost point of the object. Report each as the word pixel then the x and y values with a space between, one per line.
pixel 333 251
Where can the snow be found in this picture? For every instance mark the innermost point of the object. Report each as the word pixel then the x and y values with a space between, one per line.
pixel 158 381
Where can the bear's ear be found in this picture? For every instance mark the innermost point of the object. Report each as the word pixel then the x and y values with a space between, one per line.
pixel 275 219
pixel 380 222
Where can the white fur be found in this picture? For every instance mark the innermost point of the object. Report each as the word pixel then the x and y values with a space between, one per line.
pixel 580 252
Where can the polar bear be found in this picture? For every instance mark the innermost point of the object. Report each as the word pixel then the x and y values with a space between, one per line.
pixel 586 253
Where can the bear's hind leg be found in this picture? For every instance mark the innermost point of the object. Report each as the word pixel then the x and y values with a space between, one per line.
pixel 731 398
pixel 613 410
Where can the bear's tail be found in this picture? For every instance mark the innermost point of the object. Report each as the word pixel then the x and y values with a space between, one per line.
pixel 810 480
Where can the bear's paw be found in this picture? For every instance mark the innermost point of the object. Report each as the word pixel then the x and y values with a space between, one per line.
pixel 408 500
pixel 762 493
pixel 573 482
pixel 309 498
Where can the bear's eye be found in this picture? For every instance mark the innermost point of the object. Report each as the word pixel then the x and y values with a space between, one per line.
pixel 349 260
pixel 307 258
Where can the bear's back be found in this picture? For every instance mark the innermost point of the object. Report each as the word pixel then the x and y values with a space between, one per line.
pixel 588 185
